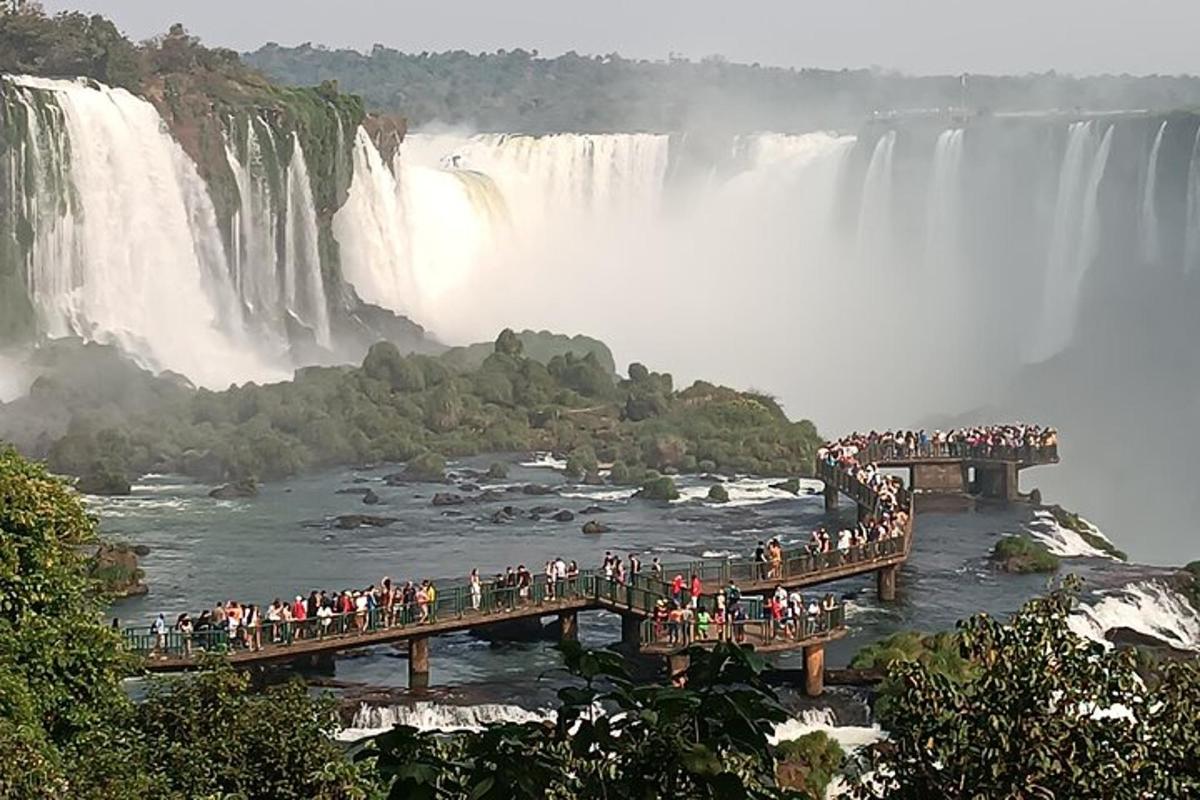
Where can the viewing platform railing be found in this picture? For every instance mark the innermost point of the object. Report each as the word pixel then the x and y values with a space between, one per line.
pixel 884 452
pixel 754 629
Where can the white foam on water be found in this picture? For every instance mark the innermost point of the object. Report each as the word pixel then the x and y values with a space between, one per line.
pixel 850 737
pixel 545 461
pixel 744 491
pixel 1065 542
pixel 599 493
pixel 1148 607
pixel 428 716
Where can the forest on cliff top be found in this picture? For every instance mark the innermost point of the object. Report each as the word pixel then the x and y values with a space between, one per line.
pixel 521 91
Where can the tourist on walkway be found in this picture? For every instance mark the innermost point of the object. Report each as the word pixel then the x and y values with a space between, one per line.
pixel 476 590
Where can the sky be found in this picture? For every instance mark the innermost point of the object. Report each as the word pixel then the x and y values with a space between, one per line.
pixel 914 36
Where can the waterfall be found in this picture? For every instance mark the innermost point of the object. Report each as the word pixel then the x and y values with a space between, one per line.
pixel 372 233
pixel 875 210
pixel 1149 221
pixel 126 247
pixel 1192 224
pixel 303 284
pixel 254 249
pixel 1074 238
pixel 944 215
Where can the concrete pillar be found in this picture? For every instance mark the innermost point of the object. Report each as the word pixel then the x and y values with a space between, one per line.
pixel 631 630
pixel 568 626
pixel 831 498
pixel 885 583
pixel 418 662
pixel 814 670
pixel 677 667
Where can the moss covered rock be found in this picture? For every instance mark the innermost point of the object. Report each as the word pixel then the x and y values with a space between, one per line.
pixel 1021 555
pixel 428 466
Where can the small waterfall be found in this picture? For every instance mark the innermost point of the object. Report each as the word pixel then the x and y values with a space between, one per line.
pixel 255 246
pixel 428 716
pixel 1074 236
pixel 1149 220
pixel 303 284
pixel 875 210
pixel 1148 607
pixel 103 159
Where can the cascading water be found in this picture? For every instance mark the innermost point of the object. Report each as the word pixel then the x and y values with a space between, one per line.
pixel 304 286
pixel 255 245
pixel 1148 230
pixel 1191 249
pixel 875 209
pixel 101 160
pixel 1074 238
pixel 943 252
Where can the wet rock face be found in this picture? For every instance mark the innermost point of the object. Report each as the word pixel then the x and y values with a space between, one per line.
pixel 235 491
pixel 351 521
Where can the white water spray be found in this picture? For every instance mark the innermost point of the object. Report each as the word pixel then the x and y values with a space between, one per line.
pixel 875 210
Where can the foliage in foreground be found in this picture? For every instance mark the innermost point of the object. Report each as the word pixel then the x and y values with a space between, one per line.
pixel 1045 714
pixel 706 741
pixel 67 728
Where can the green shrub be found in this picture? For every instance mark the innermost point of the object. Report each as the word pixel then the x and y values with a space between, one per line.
pixel 429 466
pixel 659 488
pixel 718 493
pixel 808 764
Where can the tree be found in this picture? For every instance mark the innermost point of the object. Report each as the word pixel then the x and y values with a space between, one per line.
pixel 1043 714
pixel 509 344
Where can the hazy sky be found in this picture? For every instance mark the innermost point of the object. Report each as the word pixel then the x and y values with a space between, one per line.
pixel 921 36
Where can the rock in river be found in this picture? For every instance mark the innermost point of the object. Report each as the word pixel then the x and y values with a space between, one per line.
pixel 592 526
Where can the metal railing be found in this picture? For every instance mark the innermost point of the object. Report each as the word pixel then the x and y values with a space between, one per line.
pixel 882 452
pixel 754 629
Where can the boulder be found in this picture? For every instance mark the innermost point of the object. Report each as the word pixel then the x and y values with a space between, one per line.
pixel 790 485
pixel 247 487
pixel 354 490
pixel 594 510
pixel 500 517
pixel 498 471
pixel 447 499
pixel 563 516
pixel 536 489
pixel 116 568
pixel 468 487
pixel 350 521
pixel 718 493
pixel 593 479
pixel 370 498
pixel 542 511
pixel 592 526
pixel 489 496
pixel 104 480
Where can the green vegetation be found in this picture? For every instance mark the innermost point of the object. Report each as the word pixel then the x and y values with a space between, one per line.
pixel 940 653
pixel 115 568
pixel 498 471
pixel 516 90
pixel 541 346
pixel 718 493
pixel 1021 554
pixel 395 408
pixel 809 763
pixel 1074 522
pixel 67 727
pixel 1044 713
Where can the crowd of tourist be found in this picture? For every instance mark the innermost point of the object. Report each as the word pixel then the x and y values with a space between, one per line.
pixel 983 441
pixel 782 614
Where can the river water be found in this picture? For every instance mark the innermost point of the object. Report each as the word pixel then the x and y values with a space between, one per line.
pixel 286 542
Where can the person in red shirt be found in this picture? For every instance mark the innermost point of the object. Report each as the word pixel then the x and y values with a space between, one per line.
pixel 299 614
pixel 677 589
pixel 696 590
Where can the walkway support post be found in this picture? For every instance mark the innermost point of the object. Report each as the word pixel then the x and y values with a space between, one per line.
pixel 677 667
pixel 568 626
pixel 418 662
pixel 814 670
pixel 631 630
pixel 831 498
pixel 885 583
